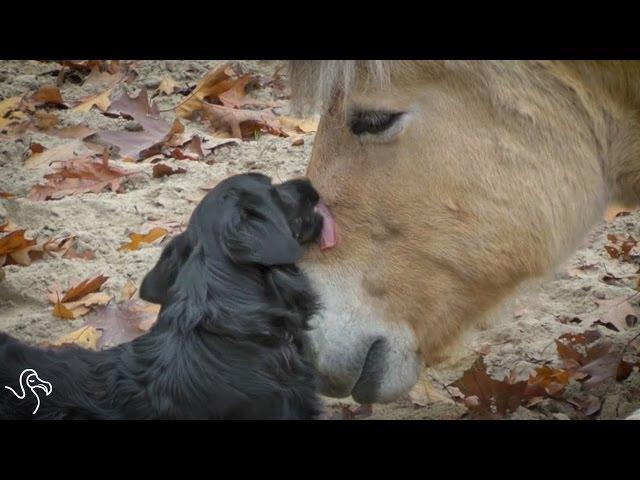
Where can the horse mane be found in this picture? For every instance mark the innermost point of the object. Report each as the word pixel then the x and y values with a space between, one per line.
pixel 313 82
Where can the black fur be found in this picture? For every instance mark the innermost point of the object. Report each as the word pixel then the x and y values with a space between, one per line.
pixel 228 340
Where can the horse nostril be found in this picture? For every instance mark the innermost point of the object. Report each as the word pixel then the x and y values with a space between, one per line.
pixel 372 371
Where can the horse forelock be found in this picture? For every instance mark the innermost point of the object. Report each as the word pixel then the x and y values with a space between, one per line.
pixel 314 82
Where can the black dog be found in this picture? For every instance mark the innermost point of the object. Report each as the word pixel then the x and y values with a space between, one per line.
pixel 228 339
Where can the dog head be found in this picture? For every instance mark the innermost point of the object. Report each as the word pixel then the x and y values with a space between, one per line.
pixel 248 221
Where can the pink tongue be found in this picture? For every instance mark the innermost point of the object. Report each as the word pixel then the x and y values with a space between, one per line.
pixel 328 237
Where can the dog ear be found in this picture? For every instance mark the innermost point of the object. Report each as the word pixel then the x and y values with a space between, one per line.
pixel 158 281
pixel 257 232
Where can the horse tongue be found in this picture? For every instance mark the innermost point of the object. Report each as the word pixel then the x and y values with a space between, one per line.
pixel 328 237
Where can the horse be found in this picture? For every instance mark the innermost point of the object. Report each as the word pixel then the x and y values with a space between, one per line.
pixel 436 171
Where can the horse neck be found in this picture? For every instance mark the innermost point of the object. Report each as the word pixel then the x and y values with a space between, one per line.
pixel 614 87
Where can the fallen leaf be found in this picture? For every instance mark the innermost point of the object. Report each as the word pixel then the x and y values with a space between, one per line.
pixel 79 299
pixel 137 239
pixel 155 130
pixel 86 337
pixel 90 300
pixel 60 311
pixel 99 77
pixel 348 412
pixel 495 398
pixel 586 404
pixel 242 123
pixel 45 120
pixel 162 170
pixel 101 100
pixel 235 96
pixel 592 359
pixel 211 85
pixel 128 291
pixel 612 251
pixel 623 248
pixel 16 249
pixel 80 176
pixel 66 248
pixel 47 95
pixel 582 271
pixel 167 86
pixel 293 125
pixel 61 153
pixel 617 314
pixel 548 381
pixel 10 113
pixel 14 241
pixel 609 366
pixel 180 154
pixel 80 289
pixel 122 322
pixel 79 132
pixel 8 226
pixel 614 211
pixel 198 143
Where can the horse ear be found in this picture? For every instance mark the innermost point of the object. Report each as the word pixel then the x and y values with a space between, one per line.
pixel 159 280
pixel 257 232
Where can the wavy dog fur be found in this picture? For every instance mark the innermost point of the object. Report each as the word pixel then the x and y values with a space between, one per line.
pixel 228 340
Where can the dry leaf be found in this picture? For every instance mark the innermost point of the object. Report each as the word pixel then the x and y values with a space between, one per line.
pixel 137 239
pixel 212 85
pixel 80 176
pixel 617 314
pixel 60 311
pixel 47 95
pixel 162 170
pixel 16 249
pixel 78 299
pixel 8 226
pixel 86 337
pixel 14 241
pixel 235 96
pixel 167 86
pixel 128 291
pixel 294 126
pixel 98 77
pixel 199 143
pixel 615 210
pixel 101 100
pixel 493 398
pixel 79 132
pixel 123 322
pixel 44 157
pixel 155 130
pixel 80 289
pixel 45 120
pixel 242 123
pixel 10 113
pixel 548 381
pixel 66 248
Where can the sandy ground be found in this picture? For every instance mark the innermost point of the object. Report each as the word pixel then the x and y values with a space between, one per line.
pixel 521 339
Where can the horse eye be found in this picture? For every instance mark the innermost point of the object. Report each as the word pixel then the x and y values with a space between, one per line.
pixel 372 121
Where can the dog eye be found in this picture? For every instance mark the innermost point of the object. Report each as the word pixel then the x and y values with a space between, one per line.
pixel 376 125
